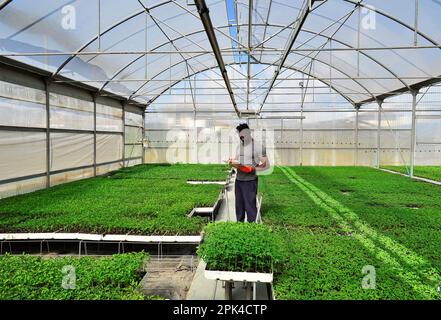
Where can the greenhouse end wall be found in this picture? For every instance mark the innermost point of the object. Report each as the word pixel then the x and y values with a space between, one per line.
pixel 321 142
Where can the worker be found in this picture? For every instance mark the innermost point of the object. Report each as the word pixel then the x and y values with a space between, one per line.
pixel 249 159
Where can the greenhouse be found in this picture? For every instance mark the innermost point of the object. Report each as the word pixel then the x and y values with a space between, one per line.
pixel 220 150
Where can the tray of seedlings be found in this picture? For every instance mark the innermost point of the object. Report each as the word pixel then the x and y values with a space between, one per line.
pixel 29 277
pixel 240 252
pixel 140 200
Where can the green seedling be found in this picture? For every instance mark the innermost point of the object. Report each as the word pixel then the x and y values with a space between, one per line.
pixel 115 277
pixel 243 247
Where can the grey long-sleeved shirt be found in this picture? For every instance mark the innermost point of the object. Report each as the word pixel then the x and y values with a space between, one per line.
pixel 244 154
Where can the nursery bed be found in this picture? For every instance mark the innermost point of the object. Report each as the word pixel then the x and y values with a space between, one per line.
pixel 144 199
pixel 337 222
pixel 184 172
pixel 239 276
pixel 28 277
pixel 428 172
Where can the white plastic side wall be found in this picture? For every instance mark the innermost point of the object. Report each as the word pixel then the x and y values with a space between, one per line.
pixel 23 134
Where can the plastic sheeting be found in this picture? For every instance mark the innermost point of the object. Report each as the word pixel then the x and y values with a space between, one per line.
pixel 69 150
pixel 329 133
pixel 133 134
pixel 23 146
pixel 108 147
pixel 174 27
pixel 73 175
pixel 108 118
pixel 22 106
pixel 22 154
pixel 20 187
pixel 70 113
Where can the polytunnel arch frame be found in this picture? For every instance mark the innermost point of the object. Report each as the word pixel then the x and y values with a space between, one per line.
pixel 356 3
pixel 263 63
pixel 374 98
pixel 272 64
pixel 257 63
pixel 412 88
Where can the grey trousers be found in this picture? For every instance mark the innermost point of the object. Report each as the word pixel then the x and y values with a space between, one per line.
pixel 246 192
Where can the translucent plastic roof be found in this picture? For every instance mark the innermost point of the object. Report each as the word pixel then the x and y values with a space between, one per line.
pixel 138 49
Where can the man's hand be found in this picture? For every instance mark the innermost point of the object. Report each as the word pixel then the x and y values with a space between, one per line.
pixel 233 163
pixel 264 164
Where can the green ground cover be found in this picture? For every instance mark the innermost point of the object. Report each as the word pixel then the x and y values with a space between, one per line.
pixel 429 172
pixel 27 277
pixel 200 172
pixel 145 199
pixel 336 221
pixel 242 247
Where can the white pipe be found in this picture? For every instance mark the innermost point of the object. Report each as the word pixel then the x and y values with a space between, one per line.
pixel 100 237
pixel 238 276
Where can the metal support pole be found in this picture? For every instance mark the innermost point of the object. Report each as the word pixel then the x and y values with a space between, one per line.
pixel 195 129
pixel 281 130
pixel 380 103
pixel 248 292
pixel 228 290
pixel 195 138
pixel 358 40
pixel 269 291
pixel 48 136
pixel 301 141
pixel 99 25
pixel 413 133
pixel 94 135
pixel 143 137
pixel 250 25
pixel 124 135
pixel 301 130
pixel 415 40
pixel 357 108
